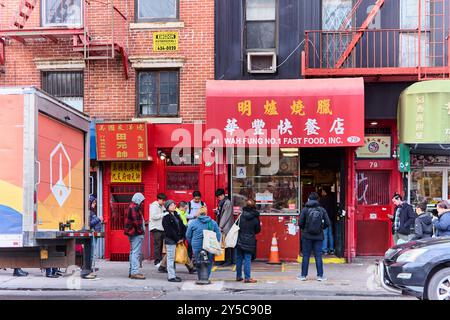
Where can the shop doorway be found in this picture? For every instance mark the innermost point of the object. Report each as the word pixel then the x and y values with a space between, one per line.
pixel 120 198
pixel 324 169
pixel 181 182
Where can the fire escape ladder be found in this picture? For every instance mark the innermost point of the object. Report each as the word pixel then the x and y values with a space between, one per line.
pixel 25 10
pixel 348 19
pixel 358 35
pixel 436 44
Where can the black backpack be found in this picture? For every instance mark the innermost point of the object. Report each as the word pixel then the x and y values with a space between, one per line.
pixel 314 221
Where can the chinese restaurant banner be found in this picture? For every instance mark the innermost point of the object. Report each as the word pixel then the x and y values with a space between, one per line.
pixel 375 147
pixel 126 172
pixel 287 113
pixel 424 113
pixel 121 141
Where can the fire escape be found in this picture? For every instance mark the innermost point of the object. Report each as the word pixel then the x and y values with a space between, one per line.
pixel 96 38
pixel 419 52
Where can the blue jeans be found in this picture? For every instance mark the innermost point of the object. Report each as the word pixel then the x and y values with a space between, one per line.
pixel 328 240
pixel 171 248
pixel 135 252
pixel 246 258
pixel 210 264
pixel 307 247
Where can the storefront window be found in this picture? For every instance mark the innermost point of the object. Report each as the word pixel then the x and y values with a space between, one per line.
pixel 426 185
pixel 278 192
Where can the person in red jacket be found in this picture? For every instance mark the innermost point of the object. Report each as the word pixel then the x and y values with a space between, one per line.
pixel 135 230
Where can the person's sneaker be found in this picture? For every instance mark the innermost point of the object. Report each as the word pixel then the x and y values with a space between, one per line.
pixel 301 278
pixel 331 253
pixel 192 271
pixel 158 265
pixel 174 280
pixel 19 273
pixel 89 276
pixel 137 276
pixel 250 280
pixel 162 270
pixel 321 279
pixel 239 279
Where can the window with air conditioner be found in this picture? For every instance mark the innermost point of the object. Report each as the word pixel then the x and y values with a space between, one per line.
pixel 261 35
pixel 62 13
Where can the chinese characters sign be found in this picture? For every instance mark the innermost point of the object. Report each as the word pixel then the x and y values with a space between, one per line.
pixel 285 113
pixel 126 172
pixel 424 113
pixel 121 141
pixel 375 147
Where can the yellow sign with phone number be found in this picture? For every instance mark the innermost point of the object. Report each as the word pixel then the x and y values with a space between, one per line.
pixel 165 41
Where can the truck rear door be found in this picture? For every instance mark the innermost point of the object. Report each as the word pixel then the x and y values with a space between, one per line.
pixel 62 168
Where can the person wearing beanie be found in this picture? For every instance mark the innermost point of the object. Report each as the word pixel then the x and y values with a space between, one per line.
pixel 174 230
pixel 313 220
pixel 135 230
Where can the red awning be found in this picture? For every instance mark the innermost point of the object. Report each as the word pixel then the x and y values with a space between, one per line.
pixel 295 113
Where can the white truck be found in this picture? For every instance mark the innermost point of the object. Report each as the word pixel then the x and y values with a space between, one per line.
pixel 44 180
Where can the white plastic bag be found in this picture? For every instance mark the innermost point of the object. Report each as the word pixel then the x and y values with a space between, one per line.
pixel 210 242
pixel 232 235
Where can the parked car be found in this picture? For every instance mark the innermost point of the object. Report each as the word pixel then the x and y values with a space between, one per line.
pixel 418 268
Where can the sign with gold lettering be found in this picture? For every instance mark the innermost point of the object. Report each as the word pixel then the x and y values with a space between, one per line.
pixel 121 141
pixel 126 172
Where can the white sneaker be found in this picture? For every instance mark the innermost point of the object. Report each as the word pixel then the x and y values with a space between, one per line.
pixel 157 265
pixel 321 279
pixel 301 278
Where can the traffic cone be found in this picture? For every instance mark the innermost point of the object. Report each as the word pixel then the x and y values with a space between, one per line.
pixel 274 257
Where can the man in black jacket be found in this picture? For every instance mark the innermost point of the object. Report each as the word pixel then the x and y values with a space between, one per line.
pixel 313 220
pixel 424 223
pixel 402 220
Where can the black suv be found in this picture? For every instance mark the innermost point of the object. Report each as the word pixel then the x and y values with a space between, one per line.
pixel 419 268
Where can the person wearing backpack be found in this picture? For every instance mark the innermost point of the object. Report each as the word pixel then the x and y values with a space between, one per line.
pixel 313 220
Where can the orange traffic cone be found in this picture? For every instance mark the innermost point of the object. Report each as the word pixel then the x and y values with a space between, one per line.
pixel 274 256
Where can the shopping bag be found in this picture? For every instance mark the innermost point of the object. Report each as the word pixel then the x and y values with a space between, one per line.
pixel 232 235
pixel 181 254
pixel 210 242
pixel 221 257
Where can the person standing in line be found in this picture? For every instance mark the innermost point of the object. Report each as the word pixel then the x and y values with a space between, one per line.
pixel 156 227
pixel 423 227
pixel 326 201
pixel 250 226
pixel 174 232
pixel 192 212
pixel 313 220
pixel 135 230
pixel 225 220
pixel 194 235
pixel 182 211
pixel 403 219
pixel 442 222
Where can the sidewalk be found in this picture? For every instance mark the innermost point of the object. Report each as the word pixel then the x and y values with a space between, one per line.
pixel 347 279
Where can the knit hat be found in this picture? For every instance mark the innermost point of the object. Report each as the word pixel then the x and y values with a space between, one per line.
pixel 138 198
pixel 168 203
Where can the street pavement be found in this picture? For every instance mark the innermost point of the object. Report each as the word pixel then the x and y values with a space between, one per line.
pixel 276 282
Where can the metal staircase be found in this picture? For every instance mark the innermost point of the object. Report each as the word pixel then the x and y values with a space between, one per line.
pixel 96 41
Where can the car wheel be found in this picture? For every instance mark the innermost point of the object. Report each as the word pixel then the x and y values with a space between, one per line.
pixel 439 285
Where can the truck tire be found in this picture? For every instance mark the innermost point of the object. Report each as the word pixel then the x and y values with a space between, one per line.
pixel 439 285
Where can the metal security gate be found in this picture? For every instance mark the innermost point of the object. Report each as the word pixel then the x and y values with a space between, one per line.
pixel 120 198
pixel 373 227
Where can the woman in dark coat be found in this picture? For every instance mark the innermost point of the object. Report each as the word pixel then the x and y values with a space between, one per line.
pixel 246 245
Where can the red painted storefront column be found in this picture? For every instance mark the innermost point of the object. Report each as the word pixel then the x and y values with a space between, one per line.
pixel 350 201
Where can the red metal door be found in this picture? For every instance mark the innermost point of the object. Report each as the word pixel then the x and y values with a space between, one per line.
pixel 373 227
pixel 120 198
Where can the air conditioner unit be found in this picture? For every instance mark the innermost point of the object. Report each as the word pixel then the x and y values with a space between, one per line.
pixel 261 62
